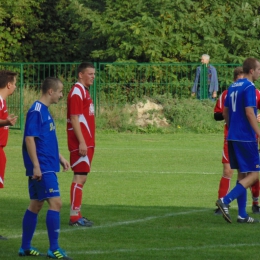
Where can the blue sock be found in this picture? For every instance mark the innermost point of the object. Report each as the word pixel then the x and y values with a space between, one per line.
pixel 53 227
pixel 234 194
pixel 241 202
pixel 29 226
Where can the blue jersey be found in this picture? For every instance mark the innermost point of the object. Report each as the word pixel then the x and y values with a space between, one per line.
pixel 241 94
pixel 40 124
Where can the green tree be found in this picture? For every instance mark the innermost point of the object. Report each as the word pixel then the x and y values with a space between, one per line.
pixel 180 30
pixel 17 19
pixel 36 30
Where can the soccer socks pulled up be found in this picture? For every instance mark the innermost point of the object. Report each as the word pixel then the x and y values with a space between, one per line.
pixel 224 185
pixel 29 226
pixel 53 227
pixel 241 202
pixel 255 192
pixel 75 201
pixel 234 193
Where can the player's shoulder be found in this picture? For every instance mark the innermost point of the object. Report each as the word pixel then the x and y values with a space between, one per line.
pixel 2 103
pixel 224 93
pixel 37 106
pixel 79 90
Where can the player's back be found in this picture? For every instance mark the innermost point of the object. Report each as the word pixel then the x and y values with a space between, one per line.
pixel 241 94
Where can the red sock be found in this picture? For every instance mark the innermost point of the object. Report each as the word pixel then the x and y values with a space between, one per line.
pixel 223 187
pixel 75 201
pixel 255 192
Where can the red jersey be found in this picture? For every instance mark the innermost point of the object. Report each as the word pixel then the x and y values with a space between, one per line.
pixel 219 107
pixel 80 103
pixel 4 129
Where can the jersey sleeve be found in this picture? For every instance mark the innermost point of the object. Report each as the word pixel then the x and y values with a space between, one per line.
pixel 250 96
pixel 33 124
pixel 76 105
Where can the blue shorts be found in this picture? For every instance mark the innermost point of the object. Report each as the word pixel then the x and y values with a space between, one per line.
pixel 243 156
pixel 46 188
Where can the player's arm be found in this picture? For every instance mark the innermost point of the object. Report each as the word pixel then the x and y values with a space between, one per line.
pixel 225 115
pixel 31 149
pixel 64 163
pixel 252 119
pixel 10 120
pixel 74 119
pixel 250 114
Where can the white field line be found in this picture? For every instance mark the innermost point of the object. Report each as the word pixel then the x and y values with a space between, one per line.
pixel 133 250
pixel 188 248
pixel 121 223
pixel 159 172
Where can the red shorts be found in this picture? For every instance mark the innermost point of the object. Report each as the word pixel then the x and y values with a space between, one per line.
pixel 225 157
pixel 2 167
pixel 79 163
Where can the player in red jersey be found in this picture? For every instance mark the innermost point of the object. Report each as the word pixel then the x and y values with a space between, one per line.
pixel 224 183
pixel 81 138
pixel 7 87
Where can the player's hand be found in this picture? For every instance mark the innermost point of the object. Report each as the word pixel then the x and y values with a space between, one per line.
pixel 64 163
pixel 214 94
pixel 193 94
pixel 83 149
pixel 37 174
pixel 258 118
pixel 11 119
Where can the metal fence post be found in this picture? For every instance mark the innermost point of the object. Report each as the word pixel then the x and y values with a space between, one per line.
pixel 21 97
pixel 203 81
pixel 95 90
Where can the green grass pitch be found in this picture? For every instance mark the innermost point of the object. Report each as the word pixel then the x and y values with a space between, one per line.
pixel 150 196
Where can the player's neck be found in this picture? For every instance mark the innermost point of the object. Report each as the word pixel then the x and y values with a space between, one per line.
pixel 81 82
pixel 249 77
pixel 3 93
pixel 45 101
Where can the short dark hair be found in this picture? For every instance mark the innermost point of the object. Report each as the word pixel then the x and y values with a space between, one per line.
pixel 85 65
pixel 6 76
pixel 50 83
pixel 238 71
pixel 249 64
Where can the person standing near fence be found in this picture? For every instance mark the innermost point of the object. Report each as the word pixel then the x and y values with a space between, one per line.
pixel 212 79
pixel 42 161
pixel 240 114
pixel 7 87
pixel 224 183
pixel 81 139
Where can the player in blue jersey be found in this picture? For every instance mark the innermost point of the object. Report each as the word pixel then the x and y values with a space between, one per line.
pixel 240 114
pixel 42 161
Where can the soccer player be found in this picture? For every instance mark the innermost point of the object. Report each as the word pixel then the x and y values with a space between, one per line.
pixel 241 119
pixel 224 183
pixel 7 87
pixel 41 160
pixel 81 138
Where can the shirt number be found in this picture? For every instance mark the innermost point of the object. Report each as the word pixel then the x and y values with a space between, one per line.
pixel 233 96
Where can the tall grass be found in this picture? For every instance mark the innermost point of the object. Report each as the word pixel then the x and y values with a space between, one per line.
pixel 182 115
